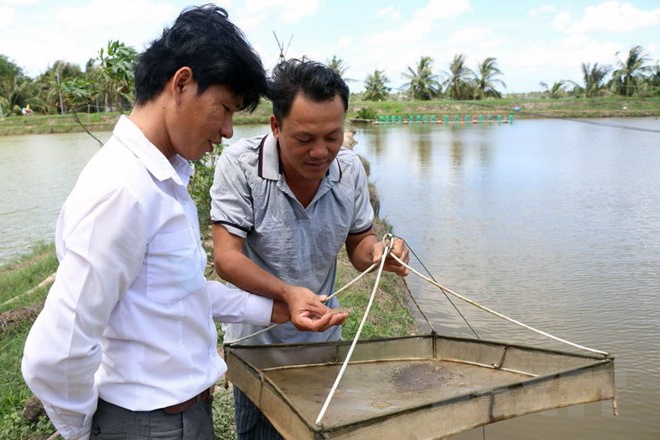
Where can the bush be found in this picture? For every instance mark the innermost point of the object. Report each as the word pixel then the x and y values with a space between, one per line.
pixel 366 113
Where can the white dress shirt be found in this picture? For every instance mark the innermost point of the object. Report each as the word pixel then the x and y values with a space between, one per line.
pixel 130 315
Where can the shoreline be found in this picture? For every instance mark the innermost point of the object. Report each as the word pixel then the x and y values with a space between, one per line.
pixel 441 111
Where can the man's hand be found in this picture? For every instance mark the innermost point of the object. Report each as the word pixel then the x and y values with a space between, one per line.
pixel 399 249
pixel 308 313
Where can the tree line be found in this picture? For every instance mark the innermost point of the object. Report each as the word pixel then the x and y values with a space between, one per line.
pixel 631 76
pixel 106 84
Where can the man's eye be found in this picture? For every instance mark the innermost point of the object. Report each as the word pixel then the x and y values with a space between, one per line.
pixel 303 140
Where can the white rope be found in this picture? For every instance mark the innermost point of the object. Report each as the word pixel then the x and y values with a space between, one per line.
pixel 548 335
pixel 386 251
pixel 272 326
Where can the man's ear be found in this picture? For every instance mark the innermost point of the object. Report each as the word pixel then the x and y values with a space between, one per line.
pixel 181 79
pixel 275 126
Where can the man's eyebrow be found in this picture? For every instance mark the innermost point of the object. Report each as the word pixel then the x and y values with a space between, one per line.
pixel 307 133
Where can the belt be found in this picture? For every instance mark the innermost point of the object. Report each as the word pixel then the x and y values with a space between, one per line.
pixel 207 394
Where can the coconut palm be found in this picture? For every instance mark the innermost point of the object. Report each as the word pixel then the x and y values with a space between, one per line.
pixel 422 83
pixel 12 85
pixel 337 64
pixel 652 81
pixel 375 88
pixel 8 71
pixel 485 81
pixel 629 75
pixel 458 83
pixel 17 93
pixel 593 78
pixel 556 91
pixel 50 82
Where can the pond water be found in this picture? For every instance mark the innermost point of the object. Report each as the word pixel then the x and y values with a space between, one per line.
pixel 555 223
pixel 38 172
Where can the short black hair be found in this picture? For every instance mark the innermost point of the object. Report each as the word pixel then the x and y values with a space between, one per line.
pixel 313 79
pixel 217 51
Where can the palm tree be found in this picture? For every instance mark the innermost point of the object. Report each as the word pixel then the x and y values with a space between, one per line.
pixel 458 84
pixel 593 78
pixel 485 81
pixel 337 64
pixel 556 91
pixel 652 82
pixel 375 88
pixel 17 92
pixel 51 82
pixel 12 85
pixel 422 83
pixel 629 75
pixel 8 71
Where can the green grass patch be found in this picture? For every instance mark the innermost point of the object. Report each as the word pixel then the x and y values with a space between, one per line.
pixel 13 391
pixel 527 107
pixel 19 277
pixel 389 315
pixel 16 316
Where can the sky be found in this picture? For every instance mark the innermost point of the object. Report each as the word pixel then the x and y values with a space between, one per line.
pixel 532 41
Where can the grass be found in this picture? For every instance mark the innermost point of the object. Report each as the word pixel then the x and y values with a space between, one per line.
pixel 529 108
pixel 21 276
pixel 389 317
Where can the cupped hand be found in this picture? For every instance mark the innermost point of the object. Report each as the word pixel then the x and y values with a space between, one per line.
pixel 308 313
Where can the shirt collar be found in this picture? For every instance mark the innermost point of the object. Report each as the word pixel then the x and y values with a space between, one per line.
pixel 177 169
pixel 269 161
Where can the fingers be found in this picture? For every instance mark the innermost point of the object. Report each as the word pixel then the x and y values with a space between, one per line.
pixel 400 250
pixel 314 322
pixel 308 313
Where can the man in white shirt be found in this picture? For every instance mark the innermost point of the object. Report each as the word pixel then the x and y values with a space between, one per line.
pixel 125 346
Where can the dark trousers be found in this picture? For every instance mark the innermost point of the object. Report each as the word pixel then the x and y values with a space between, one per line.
pixel 251 424
pixel 112 422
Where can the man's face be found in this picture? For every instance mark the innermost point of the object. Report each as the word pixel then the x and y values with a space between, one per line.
pixel 203 120
pixel 309 138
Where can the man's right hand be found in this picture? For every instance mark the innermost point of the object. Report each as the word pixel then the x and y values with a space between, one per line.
pixel 308 313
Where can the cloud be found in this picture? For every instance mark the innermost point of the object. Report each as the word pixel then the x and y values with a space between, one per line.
pixel 542 10
pixel 7 16
pixel 614 16
pixel 421 23
pixel 113 14
pixel 435 10
pixel 561 21
pixel 469 36
pixel 412 39
pixel 558 59
pixel 287 11
pixel 17 2
pixel 389 12
pixel 346 41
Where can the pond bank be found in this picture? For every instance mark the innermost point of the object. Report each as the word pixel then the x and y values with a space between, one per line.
pixel 521 108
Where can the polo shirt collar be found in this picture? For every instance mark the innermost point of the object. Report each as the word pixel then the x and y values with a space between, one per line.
pixel 269 161
pixel 178 169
